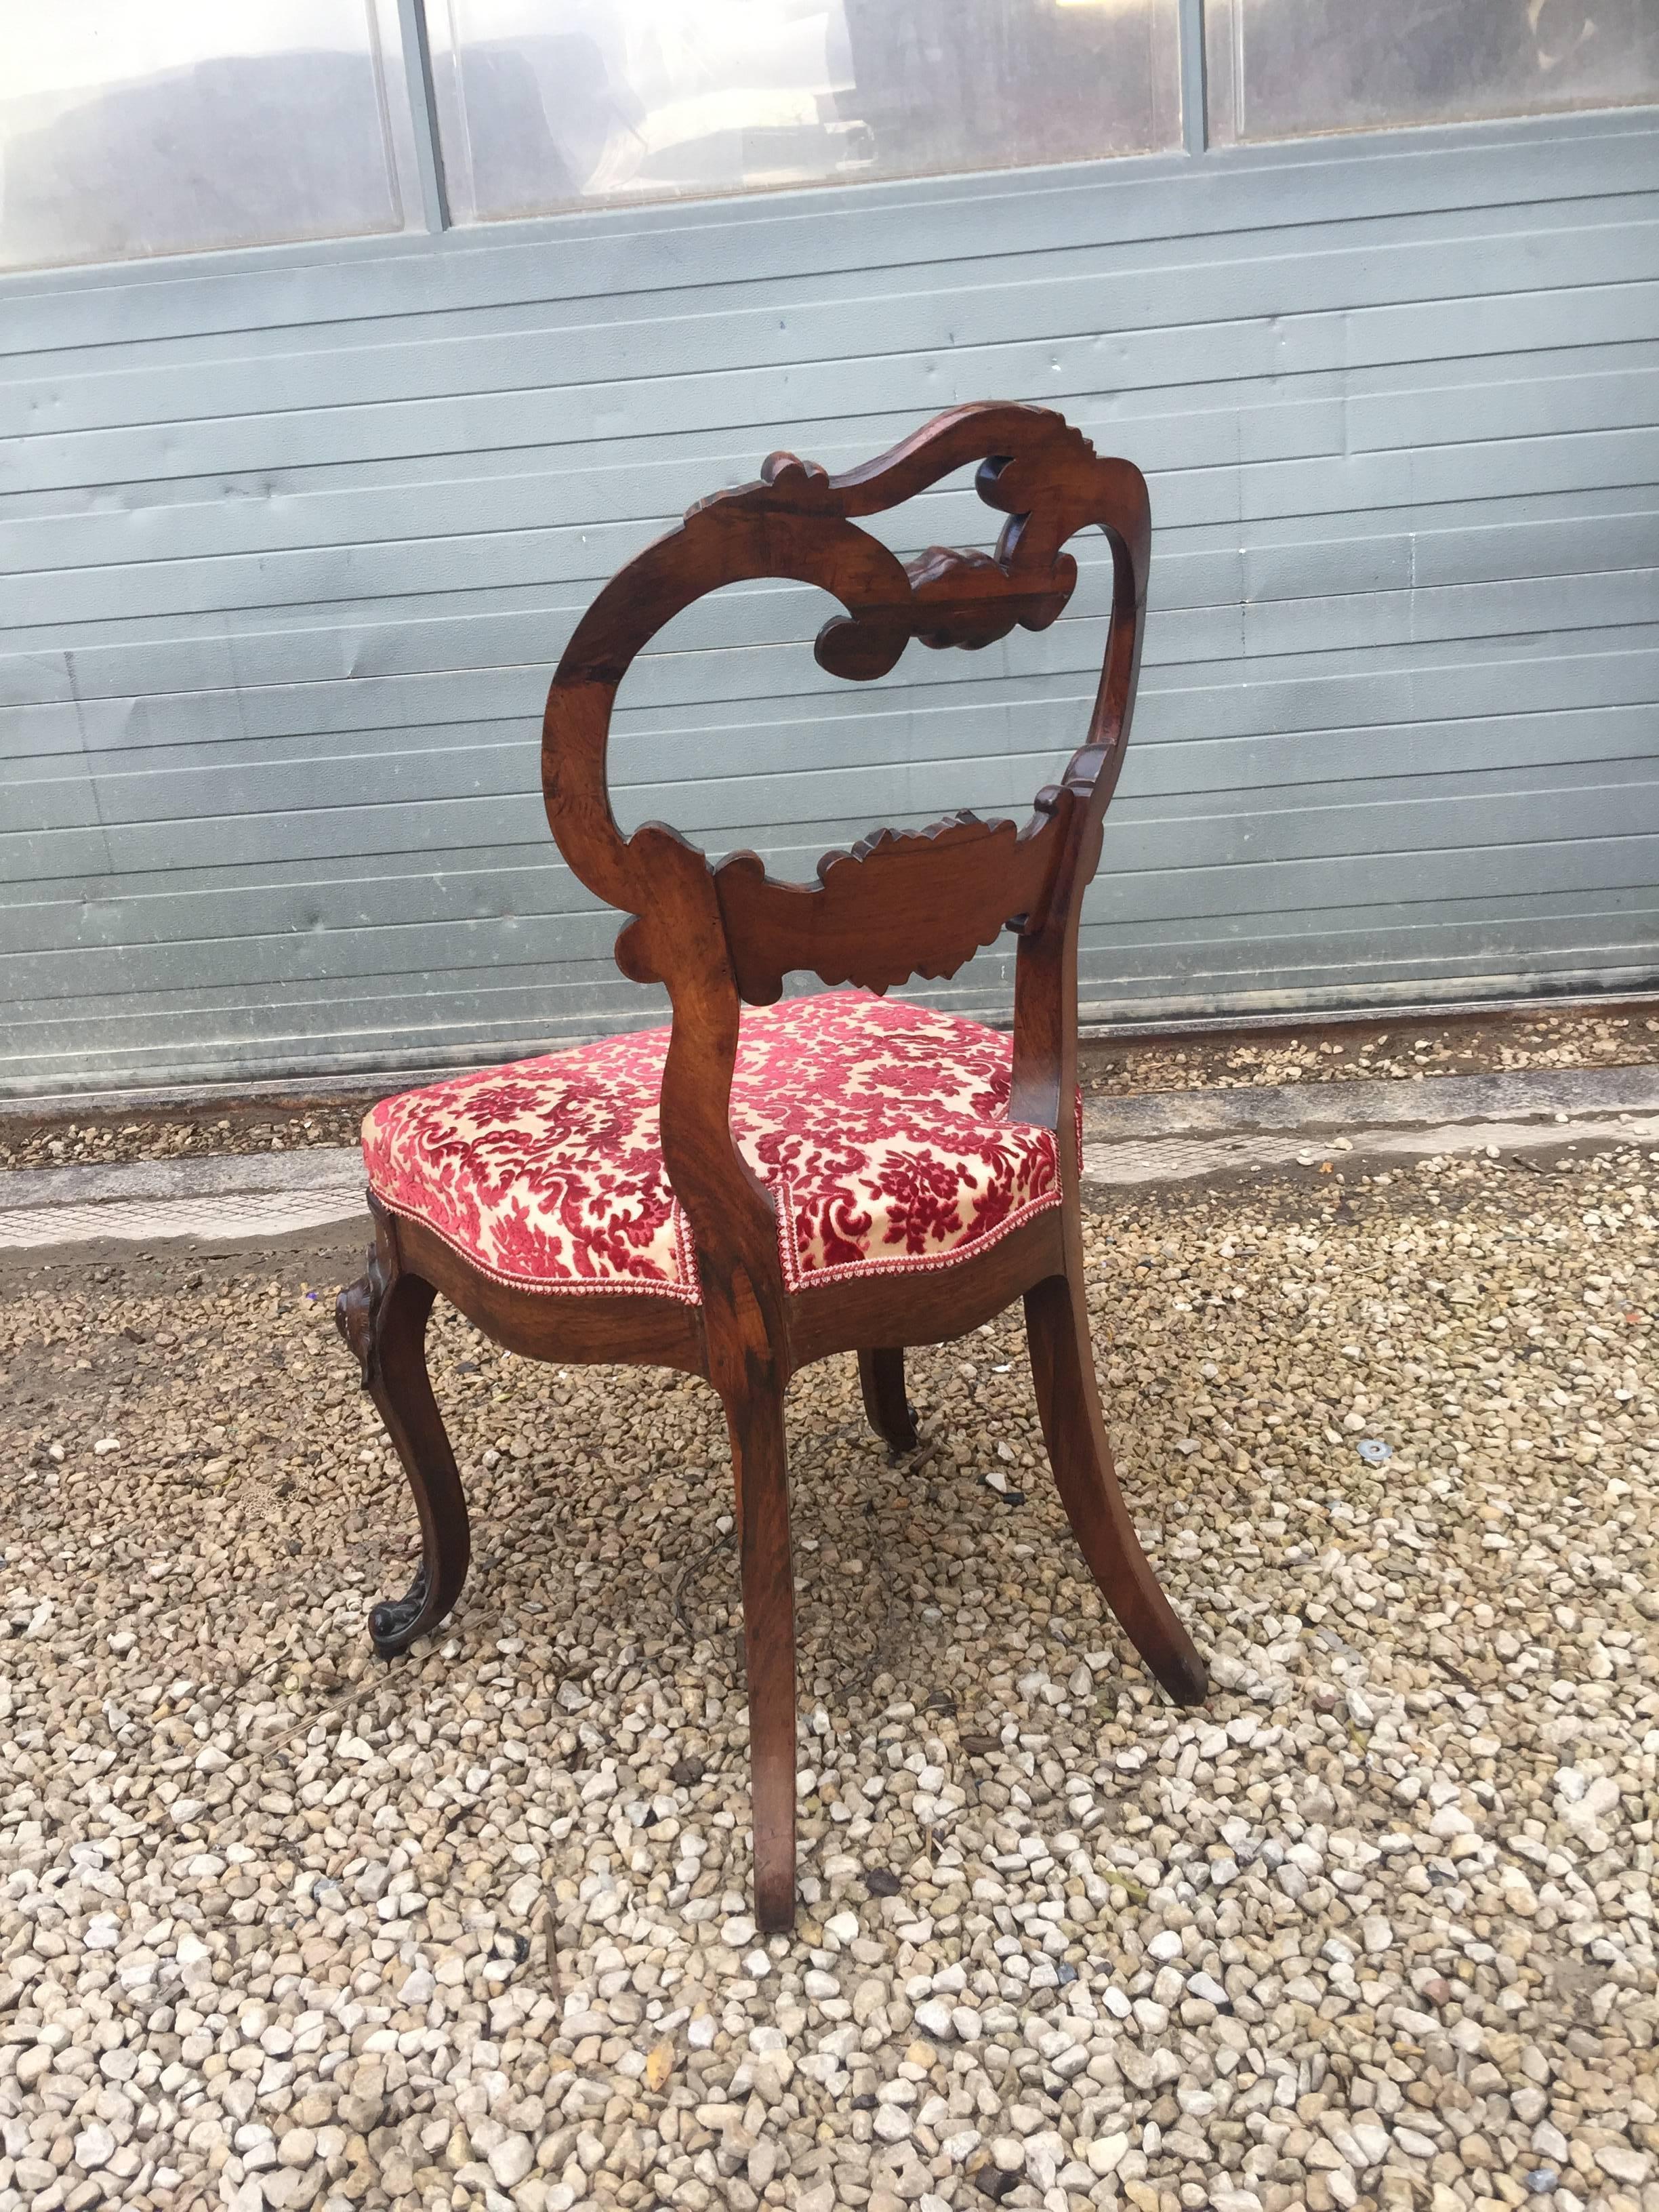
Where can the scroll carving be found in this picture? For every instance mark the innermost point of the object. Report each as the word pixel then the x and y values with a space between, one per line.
pixel 957 598
pixel 356 1316
pixel 788 485
pixel 900 903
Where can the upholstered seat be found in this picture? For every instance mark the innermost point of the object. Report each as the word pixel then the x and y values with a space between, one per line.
pixel 881 1129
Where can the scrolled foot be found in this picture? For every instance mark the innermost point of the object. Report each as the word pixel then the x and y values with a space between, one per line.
pixel 394 1624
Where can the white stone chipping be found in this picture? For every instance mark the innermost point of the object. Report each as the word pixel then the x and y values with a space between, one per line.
pixel 282 1925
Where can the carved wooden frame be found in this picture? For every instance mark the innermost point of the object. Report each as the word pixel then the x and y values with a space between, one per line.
pixel 897 905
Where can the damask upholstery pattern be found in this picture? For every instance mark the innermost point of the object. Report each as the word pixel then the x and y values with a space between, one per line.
pixel 880 1128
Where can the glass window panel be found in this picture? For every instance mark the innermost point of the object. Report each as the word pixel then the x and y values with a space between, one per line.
pixel 1289 69
pixel 130 129
pixel 545 104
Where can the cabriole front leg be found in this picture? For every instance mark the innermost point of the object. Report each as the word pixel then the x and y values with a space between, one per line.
pixel 383 1317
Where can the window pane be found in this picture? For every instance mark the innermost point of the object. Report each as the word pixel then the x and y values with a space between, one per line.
pixel 1284 69
pixel 128 129
pixel 549 103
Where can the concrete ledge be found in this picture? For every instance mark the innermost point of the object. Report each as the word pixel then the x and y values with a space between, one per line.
pixel 1112 1165
pixel 238 1214
pixel 1524 1095
pixel 1172 1137
pixel 322 1167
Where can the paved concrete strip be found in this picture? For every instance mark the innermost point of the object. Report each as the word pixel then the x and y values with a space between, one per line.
pixel 144 1220
pixel 322 1167
pixel 1523 1096
pixel 1178 1159
pixel 1169 1137
pixel 236 1195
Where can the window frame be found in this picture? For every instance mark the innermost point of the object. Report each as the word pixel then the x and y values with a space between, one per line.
pixel 1168 28
pixel 428 227
pixel 1223 68
pixel 409 152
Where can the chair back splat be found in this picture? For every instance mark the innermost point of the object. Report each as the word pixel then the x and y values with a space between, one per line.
pixel 737 1197
pixel 900 903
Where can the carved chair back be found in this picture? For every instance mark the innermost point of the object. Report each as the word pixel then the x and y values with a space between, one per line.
pixel 898 904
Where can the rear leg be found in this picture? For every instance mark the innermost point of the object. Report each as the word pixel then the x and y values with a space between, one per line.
pixel 893 1418
pixel 1063 1368
pixel 761 1469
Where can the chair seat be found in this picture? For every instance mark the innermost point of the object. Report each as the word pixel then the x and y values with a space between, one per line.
pixel 880 1129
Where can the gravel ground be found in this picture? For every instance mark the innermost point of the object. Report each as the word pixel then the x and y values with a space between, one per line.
pixel 283 1926
pixel 1470 1045
pixel 102 1140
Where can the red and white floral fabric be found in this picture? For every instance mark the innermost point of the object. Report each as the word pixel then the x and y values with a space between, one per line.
pixel 880 1128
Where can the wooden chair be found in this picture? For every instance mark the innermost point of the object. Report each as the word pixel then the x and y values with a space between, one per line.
pixel 740 1195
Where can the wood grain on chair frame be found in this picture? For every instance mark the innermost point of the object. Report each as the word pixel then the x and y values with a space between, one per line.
pixel 898 905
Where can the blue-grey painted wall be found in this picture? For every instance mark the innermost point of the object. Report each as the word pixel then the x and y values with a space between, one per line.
pixel 291 539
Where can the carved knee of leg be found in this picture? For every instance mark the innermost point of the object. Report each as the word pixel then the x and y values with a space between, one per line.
pixel 357 1315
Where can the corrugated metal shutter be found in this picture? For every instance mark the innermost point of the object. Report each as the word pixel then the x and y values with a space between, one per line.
pixel 292 542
